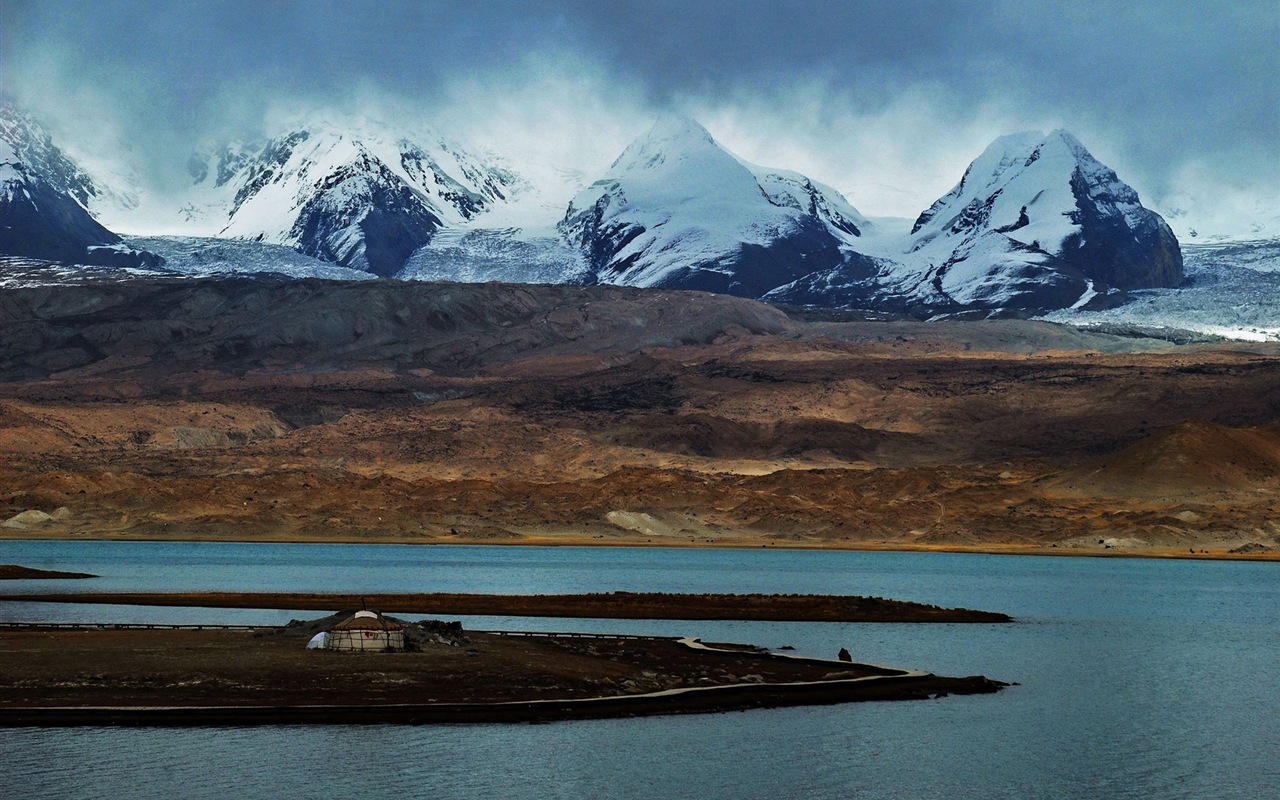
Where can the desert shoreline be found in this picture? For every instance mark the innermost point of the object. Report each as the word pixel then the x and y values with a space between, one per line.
pixel 590 540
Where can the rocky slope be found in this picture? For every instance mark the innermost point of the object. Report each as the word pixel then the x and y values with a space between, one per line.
pixel 244 323
pixel 1189 459
pixel 39 222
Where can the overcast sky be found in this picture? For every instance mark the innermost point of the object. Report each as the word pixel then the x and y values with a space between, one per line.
pixel 886 101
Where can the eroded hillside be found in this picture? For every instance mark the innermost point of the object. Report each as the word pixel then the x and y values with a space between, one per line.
pixel 391 411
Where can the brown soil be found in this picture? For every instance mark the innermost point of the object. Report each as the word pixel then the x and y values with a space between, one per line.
pixel 13 572
pixel 545 415
pixel 203 669
pixel 615 605
pixel 1197 457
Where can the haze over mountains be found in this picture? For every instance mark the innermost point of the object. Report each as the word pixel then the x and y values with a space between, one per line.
pixel 44 200
pixel 1036 224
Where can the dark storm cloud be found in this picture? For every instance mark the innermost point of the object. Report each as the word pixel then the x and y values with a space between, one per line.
pixel 1176 79
pixel 179 58
pixel 1160 84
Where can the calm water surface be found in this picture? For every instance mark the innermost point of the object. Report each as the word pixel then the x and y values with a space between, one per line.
pixel 1139 679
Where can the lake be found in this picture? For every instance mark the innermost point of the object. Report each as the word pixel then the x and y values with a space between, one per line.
pixel 1139 678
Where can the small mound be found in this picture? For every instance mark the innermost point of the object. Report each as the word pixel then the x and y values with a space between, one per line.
pixel 15 572
pixel 1251 547
pixel 1195 456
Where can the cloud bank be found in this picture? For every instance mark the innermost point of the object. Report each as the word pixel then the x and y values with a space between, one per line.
pixel 886 102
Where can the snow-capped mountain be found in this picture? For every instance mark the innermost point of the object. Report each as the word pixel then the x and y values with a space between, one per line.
pixel 43 201
pixel 677 210
pixel 1030 201
pixel 31 145
pixel 38 221
pixel 354 194
pixel 1036 223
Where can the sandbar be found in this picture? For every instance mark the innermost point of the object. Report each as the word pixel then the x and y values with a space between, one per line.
pixel 611 605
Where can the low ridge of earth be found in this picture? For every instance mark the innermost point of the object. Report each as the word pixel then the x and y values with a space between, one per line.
pixel 16 572
pixel 613 605
pixel 77 676
pixel 375 411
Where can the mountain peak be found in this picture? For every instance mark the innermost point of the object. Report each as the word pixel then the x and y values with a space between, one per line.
pixel 1070 151
pixel 354 190
pixel 672 136
pixel 1020 142
pixel 338 124
pixel 29 144
pixel 1040 211
pixel 671 126
pixel 44 197
pixel 679 210
pixel 1068 138
pixel 1016 151
pixel 1030 160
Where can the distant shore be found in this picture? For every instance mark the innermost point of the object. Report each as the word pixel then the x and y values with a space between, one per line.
pixel 580 539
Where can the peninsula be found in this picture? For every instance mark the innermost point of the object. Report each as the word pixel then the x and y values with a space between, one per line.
pixel 121 675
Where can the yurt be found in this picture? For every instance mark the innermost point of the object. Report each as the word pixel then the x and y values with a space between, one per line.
pixel 366 632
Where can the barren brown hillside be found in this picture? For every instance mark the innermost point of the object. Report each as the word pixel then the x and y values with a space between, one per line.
pixel 445 413
pixel 1192 458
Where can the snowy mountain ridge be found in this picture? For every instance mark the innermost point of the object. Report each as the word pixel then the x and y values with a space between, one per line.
pixel 1022 204
pixel 355 194
pixel 1035 225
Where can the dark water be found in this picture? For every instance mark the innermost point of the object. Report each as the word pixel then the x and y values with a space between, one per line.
pixel 1140 679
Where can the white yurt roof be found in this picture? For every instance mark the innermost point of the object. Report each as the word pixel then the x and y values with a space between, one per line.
pixel 368 621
